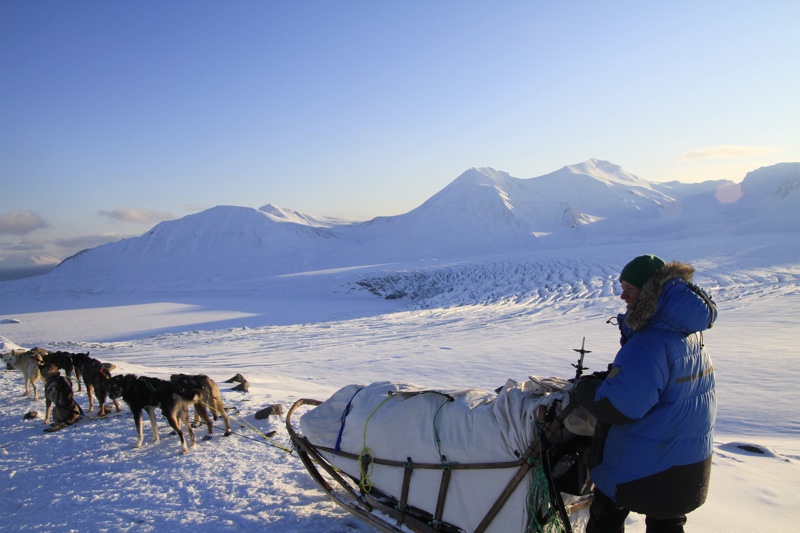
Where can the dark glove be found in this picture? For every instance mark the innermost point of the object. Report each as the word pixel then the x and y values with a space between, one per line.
pixel 585 389
pixel 600 374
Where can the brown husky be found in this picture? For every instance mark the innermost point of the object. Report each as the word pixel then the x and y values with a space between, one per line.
pixel 59 399
pixel 210 398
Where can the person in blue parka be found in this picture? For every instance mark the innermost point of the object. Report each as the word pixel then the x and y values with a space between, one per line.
pixel 656 406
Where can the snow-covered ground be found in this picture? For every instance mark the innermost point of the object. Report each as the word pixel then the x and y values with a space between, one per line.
pixel 458 325
pixel 516 274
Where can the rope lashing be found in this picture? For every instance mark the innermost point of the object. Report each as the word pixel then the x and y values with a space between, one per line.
pixel 436 437
pixel 366 455
pixel 532 461
pixel 542 516
pixel 543 513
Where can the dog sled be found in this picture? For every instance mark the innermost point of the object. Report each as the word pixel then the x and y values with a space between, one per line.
pixel 403 458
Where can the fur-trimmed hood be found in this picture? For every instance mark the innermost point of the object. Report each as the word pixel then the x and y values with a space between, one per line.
pixel 670 300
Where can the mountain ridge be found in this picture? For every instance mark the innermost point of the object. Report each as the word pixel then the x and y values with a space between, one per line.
pixel 483 211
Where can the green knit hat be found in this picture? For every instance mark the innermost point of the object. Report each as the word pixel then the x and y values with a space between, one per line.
pixel 638 271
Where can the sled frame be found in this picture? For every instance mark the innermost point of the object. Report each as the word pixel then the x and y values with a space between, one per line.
pixel 369 506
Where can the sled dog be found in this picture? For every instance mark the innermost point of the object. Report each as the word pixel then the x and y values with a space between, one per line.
pixel 59 398
pixel 64 361
pixel 79 360
pixel 146 393
pixel 210 398
pixel 28 363
pixel 95 376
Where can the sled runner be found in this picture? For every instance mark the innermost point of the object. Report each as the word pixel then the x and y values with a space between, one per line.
pixel 408 459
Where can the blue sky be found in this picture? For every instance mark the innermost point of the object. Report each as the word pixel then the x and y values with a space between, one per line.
pixel 116 115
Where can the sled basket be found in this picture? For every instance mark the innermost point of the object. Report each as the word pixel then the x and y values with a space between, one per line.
pixel 393 513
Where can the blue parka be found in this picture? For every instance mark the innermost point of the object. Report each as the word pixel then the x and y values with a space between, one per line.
pixel 656 407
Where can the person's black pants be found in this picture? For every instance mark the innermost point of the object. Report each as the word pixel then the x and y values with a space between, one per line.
pixel 606 516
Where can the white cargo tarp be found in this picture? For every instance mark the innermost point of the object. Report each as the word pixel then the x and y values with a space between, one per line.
pixel 401 421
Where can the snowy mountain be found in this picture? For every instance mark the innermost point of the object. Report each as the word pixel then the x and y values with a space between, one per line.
pixel 485 210
pixel 224 241
pixel 20 266
pixel 30 261
pixel 773 195
pixel 766 200
pixel 598 194
pixel 482 212
pixel 281 214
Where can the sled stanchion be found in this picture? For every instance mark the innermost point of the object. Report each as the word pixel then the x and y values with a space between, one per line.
pixel 437 517
pixel 402 505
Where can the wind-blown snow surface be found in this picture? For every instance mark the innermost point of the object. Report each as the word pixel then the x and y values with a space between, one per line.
pixel 299 321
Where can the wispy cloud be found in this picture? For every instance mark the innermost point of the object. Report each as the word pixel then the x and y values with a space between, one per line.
pixel 24 246
pixel 20 223
pixel 137 215
pixel 729 152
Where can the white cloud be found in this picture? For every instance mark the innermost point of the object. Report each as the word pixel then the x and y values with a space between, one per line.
pixel 20 222
pixel 137 215
pixel 729 152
